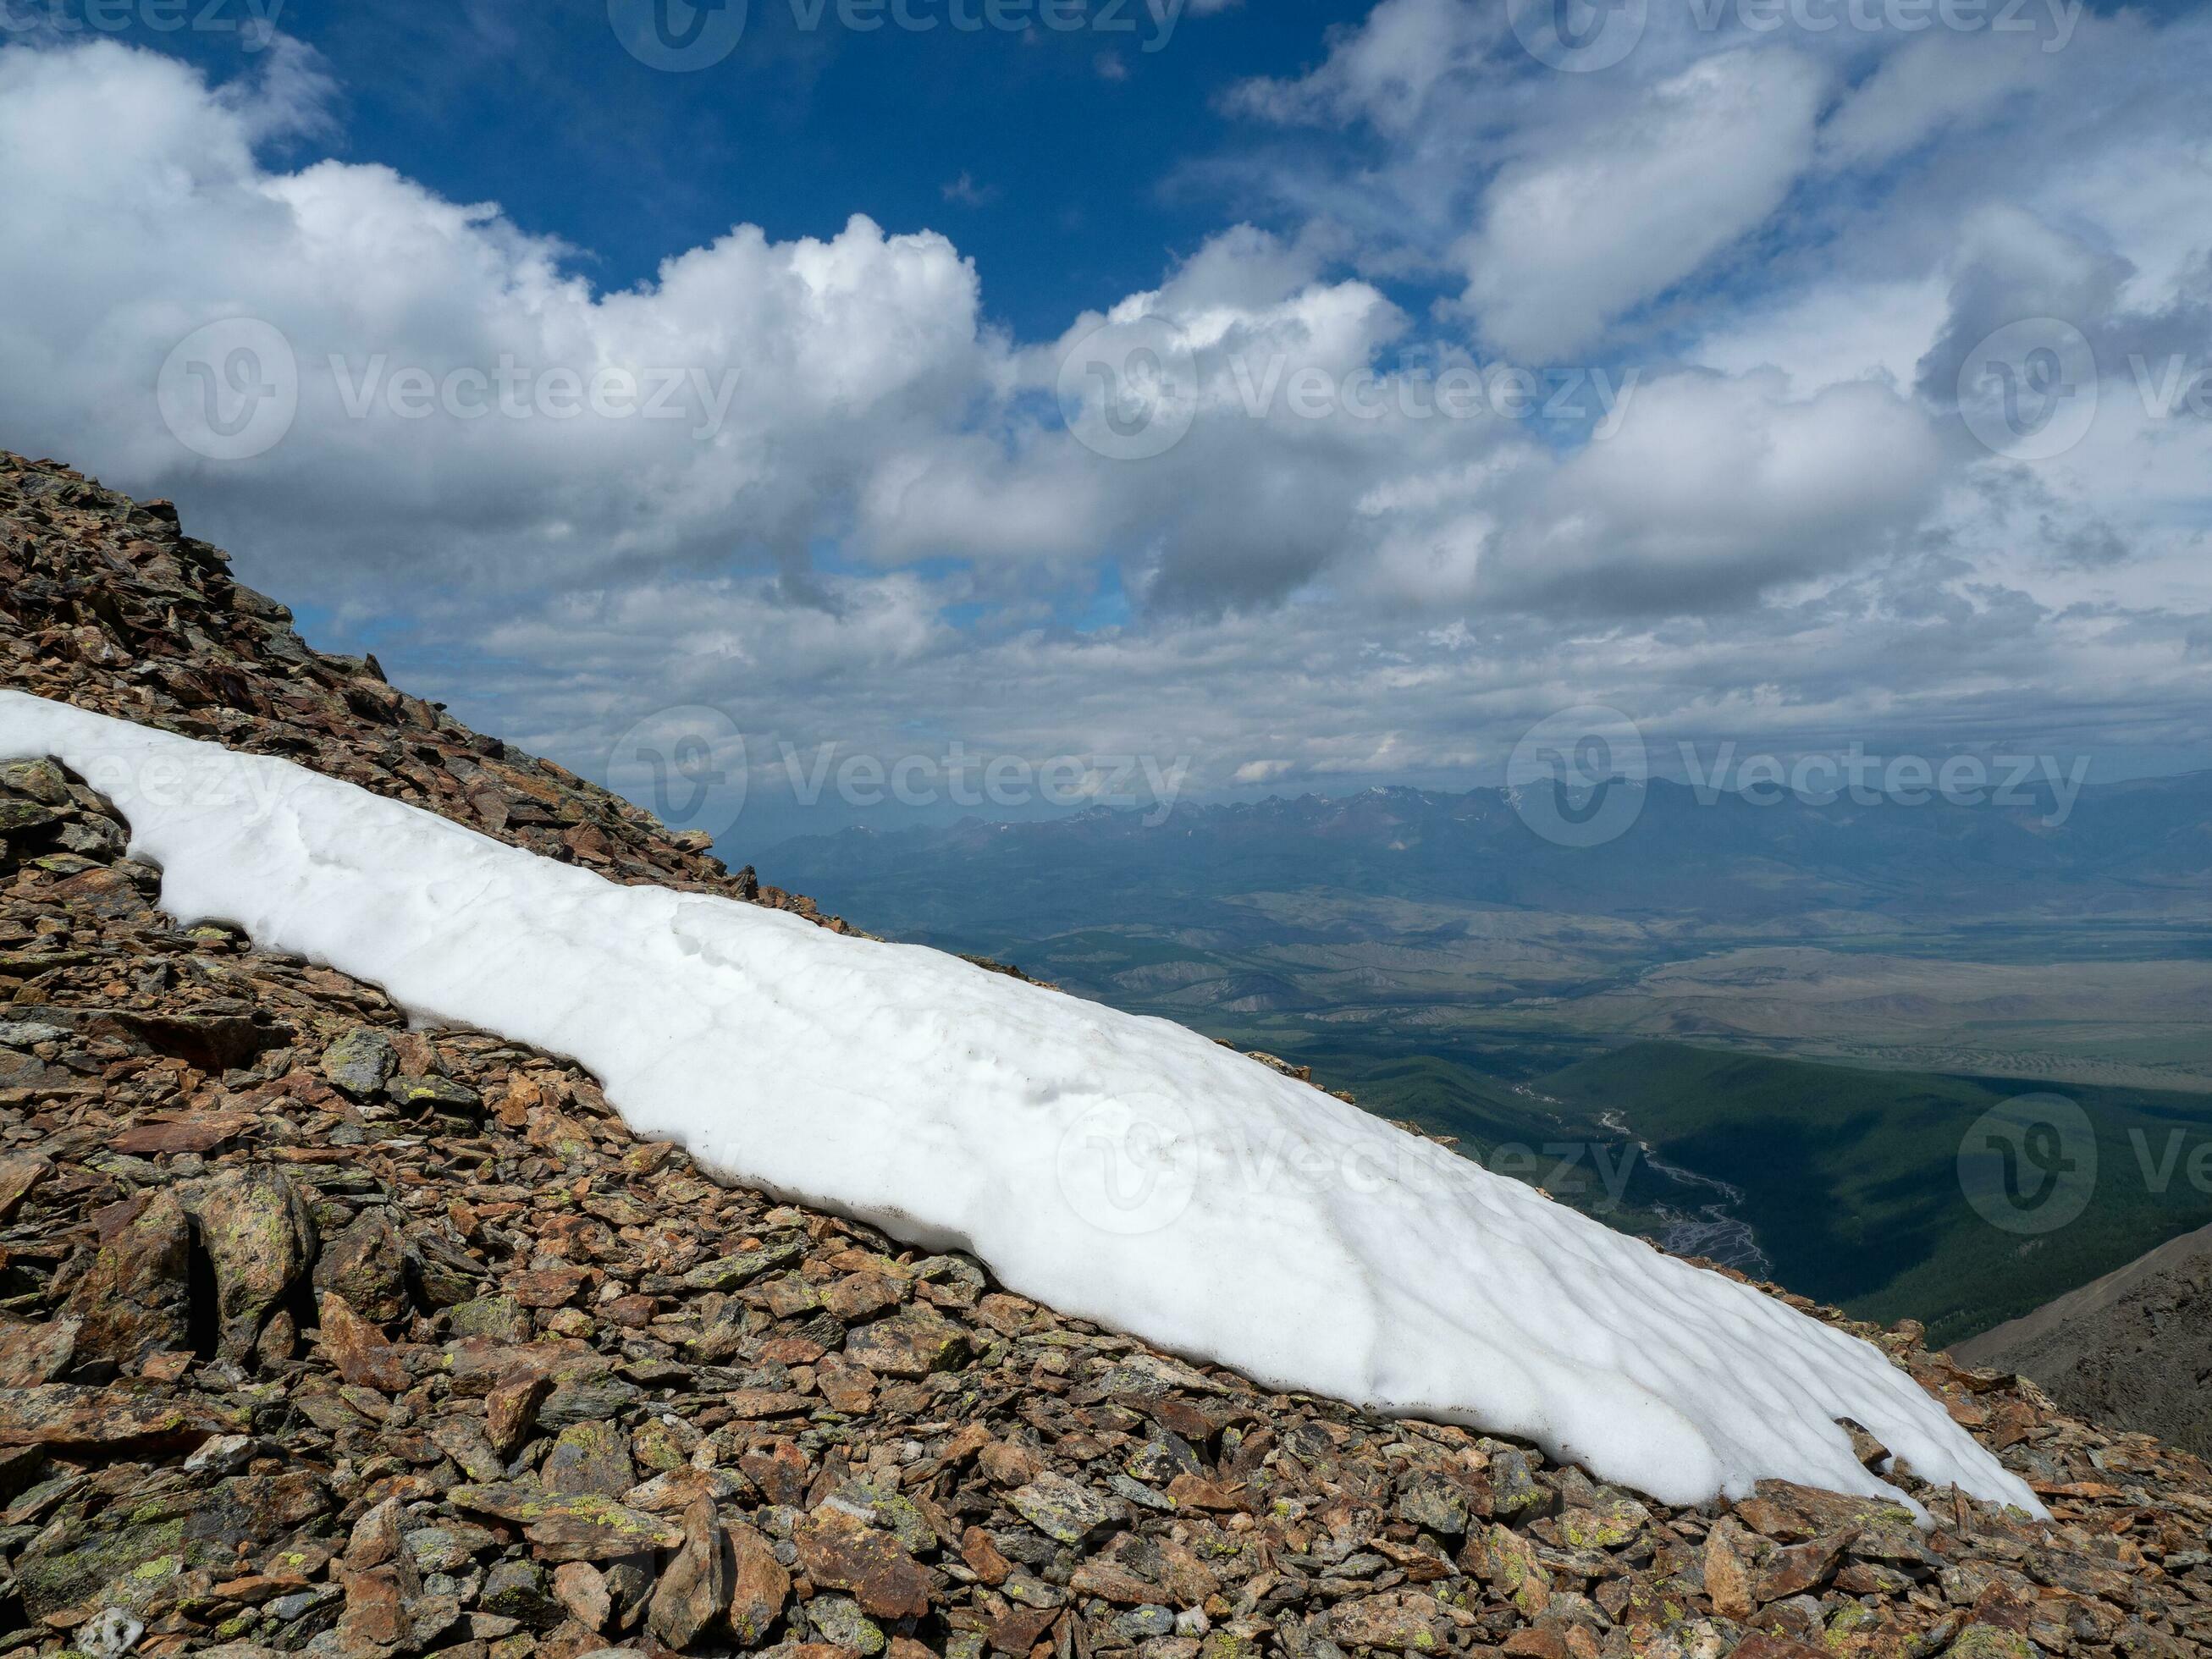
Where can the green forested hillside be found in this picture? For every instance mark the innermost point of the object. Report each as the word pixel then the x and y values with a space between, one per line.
pixel 1850 1178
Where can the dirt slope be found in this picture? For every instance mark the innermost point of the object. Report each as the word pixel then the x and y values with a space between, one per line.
pixel 2133 1348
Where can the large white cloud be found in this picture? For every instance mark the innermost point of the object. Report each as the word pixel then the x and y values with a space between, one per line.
pixel 1772 519
pixel 1722 486
pixel 1579 232
pixel 138 213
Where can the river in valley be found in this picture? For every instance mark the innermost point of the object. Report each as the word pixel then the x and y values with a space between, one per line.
pixel 1707 1221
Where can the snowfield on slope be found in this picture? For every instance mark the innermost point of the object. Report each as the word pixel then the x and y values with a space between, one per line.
pixel 1123 1169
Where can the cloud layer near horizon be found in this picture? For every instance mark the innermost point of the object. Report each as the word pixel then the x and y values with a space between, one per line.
pixel 1685 439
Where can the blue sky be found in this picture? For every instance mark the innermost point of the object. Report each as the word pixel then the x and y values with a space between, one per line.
pixel 1328 397
pixel 1056 158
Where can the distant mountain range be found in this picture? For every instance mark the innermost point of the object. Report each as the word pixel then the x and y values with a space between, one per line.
pixel 2045 939
pixel 2141 848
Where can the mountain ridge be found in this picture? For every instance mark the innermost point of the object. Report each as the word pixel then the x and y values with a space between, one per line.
pixel 2132 1347
pixel 1678 820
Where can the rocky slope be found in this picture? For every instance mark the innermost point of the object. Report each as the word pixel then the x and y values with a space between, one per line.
pixel 105 604
pixel 2133 1348
pixel 318 1335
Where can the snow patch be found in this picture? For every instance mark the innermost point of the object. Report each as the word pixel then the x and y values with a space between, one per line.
pixel 1122 1170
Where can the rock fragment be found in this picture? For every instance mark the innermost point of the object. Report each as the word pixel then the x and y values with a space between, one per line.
pixel 260 1237
pixel 134 1300
pixel 695 1586
pixel 358 1063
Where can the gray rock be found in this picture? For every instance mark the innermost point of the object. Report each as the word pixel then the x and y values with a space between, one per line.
pixel 449 1547
pixel 433 1094
pixel 1137 1492
pixel 133 1301
pixel 590 1400
pixel 732 1271
pixel 1064 1508
pixel 516 1589
pixel 260 1235
pixel 1139 1623
pixel 838 1619
pixel 429 1616
pixel 41 779
pixel 590 1456
pixel 1515 1493
pixel 501 1318
pixel 883 1503
pixel 285 1608
pixel 358 1063
pixel 1428 1500
pixel 1164 1456
pixel 366 1265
